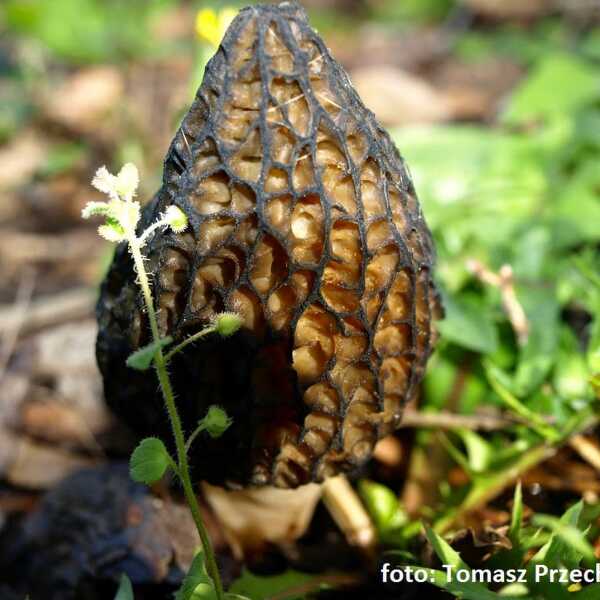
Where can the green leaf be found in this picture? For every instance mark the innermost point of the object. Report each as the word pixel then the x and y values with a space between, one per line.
pixel 535 421
pixel 86 31
pixel 569 534
pixel 141 359
pixel 479 451
pixel 538 355
pixel 571 371
pixel 444 551
pixel 560 551
pixel 383 505
pixel 466 591
pixel 572 225
pixel 516 519
pixel 149 461
pixel 125 591
pixel 257 587
pixel 557 551
pixel 468 324
pixel 449 556
pixel 590 592
pixel 559 84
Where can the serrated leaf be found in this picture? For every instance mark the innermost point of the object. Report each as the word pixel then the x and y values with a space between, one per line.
pixel 557 551
pixel 141 359
pixel 572 537
pixel 449 556
pixel 149 461
pixel 444 551
pixel 125 591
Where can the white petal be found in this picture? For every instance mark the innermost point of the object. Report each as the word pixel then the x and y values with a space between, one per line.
pixel 104 181
pixel 128 180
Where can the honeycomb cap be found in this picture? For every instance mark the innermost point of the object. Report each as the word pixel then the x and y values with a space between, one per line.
pixel 303 219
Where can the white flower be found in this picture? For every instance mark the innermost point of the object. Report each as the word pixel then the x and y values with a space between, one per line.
pixel 123 185
pixel 175 218
pixel 126 213
pixel 121 212
pixel 105 182
pixel 127 181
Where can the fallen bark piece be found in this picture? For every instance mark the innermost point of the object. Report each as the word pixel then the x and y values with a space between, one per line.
pixel 49 310
pixel 304 220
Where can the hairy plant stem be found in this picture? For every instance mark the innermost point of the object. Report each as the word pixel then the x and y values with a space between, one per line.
pixel 198 335
pixel 160 365
pixel 194 435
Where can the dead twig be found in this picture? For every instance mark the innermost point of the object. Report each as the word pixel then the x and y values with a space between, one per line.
pixel 10 335
pixel 49 310
pixel 447 420
pixel 18 248
pixel 504 280
pixel 587 448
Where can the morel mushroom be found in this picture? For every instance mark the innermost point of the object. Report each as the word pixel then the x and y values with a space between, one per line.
pixel 304 220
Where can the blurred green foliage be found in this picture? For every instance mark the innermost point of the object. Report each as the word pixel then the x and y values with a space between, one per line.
pixel 84 31
pixel 525 192
pixel 411 10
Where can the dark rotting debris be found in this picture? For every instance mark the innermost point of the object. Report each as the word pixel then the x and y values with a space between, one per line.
pixel 91 528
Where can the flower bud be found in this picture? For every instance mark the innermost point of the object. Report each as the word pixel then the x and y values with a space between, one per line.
pixel 216 421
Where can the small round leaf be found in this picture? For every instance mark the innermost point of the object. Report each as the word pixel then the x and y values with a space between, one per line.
pixel 141 359
pixel 149 461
